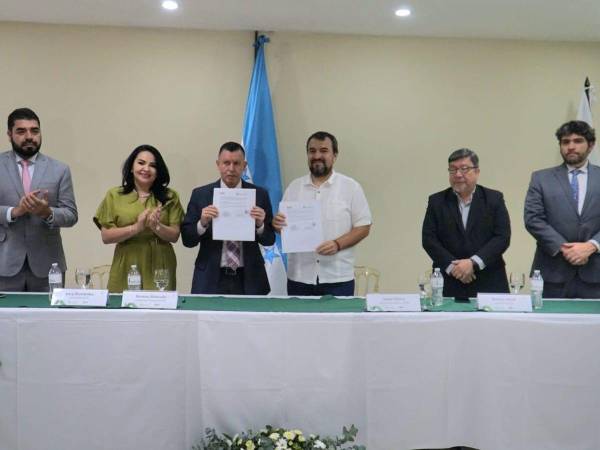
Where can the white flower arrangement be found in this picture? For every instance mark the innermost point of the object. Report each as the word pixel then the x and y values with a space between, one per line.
pixel 270 438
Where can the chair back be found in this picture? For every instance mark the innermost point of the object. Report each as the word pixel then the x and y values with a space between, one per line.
pixel 366 280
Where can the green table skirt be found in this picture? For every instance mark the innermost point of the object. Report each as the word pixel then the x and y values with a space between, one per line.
pixel 325 304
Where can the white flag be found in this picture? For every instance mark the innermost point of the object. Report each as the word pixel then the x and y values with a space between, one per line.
pixel 584 113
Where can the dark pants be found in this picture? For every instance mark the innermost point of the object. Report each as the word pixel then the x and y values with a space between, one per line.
pixel 24 281
pixel 231 282
pixel 343 288
pixel 576 288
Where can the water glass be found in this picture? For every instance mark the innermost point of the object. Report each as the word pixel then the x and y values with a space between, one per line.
pixel 161 279
pixel 517 281
pixel 83 278
pixel 425 289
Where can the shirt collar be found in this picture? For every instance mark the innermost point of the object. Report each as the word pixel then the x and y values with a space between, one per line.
pixel 469 200
pixel 31 160
pixel 308 179
pixel 237 186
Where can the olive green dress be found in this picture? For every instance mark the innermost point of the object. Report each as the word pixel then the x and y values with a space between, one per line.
pixel 145 249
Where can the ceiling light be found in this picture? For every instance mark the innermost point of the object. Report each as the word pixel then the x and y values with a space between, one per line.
pixel 403 12
pixel 171 5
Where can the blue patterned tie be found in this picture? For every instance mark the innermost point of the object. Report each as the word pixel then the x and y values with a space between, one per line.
pixel 575 186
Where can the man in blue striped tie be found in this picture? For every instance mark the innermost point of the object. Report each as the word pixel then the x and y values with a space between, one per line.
pixel 562 212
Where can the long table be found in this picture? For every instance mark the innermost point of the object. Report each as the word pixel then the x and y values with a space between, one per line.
pixel 152 379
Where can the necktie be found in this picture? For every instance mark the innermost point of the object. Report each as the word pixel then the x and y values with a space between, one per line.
pixel 575 185
pixel 25 177
pixel 232 257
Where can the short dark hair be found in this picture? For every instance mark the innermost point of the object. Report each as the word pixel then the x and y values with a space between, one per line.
pixel 321 136
pixel 576 127
pixel 159 187
pixel 464 153
pixel 232 147
pixel 21 114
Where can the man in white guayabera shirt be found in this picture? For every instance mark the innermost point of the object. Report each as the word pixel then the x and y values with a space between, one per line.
pixel 346 220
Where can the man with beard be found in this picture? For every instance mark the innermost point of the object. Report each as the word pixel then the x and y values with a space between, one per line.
pixel 466 230
pixel 562 213
pixel 346 220
pixel 36 200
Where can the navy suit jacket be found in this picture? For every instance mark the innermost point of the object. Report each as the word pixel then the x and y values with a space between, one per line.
pixel 487 235
pixel 208 262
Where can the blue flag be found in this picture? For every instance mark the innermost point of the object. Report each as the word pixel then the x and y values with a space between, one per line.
pixel 260 142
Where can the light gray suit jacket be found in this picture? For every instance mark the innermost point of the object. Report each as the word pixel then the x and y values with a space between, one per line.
pixel 552 219
pixel 30 236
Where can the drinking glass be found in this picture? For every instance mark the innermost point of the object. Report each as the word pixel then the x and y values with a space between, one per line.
pixel 161 279
pixel 83 278
pixel 517 281
pixel 425 288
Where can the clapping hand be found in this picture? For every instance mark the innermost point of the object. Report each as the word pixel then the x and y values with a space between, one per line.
pixel 153 219
pixel 36 202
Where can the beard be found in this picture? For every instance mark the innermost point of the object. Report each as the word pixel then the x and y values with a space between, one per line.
pixel 574 159
pixel 27 149
pixel 319 169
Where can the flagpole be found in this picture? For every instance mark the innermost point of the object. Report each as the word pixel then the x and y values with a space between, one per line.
pixel 586 88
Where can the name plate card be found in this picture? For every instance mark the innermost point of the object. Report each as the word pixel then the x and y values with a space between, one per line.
pixel 79 297
pixel 504 302
pixel 394 302
pixel 150 299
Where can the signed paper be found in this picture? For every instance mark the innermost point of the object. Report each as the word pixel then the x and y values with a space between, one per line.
pixel 304 232
pixel 234 222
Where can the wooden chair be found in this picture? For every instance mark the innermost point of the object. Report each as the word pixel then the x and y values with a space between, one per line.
pixel 366 280
pixel 101 274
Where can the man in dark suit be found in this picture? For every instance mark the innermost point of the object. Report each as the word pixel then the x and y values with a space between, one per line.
pixel 466 230
pixel 36 201
pixel 228 267
pixel 562 212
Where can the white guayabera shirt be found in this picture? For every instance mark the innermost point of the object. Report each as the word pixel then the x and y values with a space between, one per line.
pixel 343 207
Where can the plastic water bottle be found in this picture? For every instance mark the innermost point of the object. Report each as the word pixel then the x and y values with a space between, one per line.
pixel 537 287
pixel 134 279
pixel 437 287
pixel 54 279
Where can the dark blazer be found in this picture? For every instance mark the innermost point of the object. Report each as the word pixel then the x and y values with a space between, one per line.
pixel 552 219
pixel 208 261
pixel 487 236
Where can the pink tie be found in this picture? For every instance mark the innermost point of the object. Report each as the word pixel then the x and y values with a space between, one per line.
pixel 25 175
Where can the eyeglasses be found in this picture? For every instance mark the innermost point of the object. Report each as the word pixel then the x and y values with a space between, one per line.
pixel 463 170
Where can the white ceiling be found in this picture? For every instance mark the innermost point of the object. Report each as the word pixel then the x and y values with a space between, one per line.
pixel 557 20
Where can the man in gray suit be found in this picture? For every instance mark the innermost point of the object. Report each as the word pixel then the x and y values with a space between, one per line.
pixel 36 199
pixel 562 212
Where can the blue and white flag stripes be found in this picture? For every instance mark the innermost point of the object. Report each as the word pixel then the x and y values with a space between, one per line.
pixel 260 142
pixel 584 112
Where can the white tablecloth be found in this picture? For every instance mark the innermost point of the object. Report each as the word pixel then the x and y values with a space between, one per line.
pixel 120 379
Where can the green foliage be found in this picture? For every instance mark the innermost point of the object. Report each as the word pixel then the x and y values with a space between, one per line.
pixel 271 438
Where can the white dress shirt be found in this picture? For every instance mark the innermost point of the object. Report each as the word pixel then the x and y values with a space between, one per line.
pixel 343 207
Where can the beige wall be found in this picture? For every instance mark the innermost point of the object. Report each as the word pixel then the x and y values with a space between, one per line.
pixel 397 105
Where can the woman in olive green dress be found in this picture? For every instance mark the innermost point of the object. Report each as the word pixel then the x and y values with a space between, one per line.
pixel 142 216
